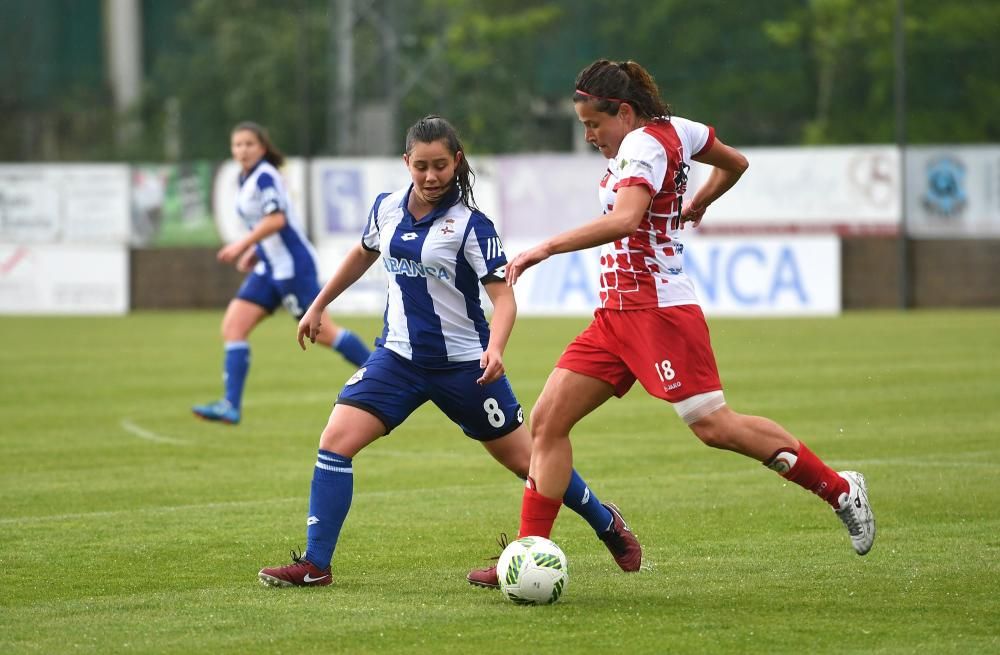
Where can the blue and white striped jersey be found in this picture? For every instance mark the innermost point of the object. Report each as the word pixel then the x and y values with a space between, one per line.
pixel 286 253
pixel 433 314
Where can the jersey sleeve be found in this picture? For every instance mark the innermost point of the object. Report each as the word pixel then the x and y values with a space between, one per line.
pixel 484 250
pixel 370 237
pixel 272 200
pixel 696 137
pixel 641 161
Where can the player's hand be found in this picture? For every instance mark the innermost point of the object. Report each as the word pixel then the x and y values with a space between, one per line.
pixel 692 214
pixel 229 253
pixel 246 261
pixel 492 365
pixel 309 327
pixel 524 261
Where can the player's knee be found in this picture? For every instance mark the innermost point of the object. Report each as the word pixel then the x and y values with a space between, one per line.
pixel 543 423
pixel 717 429
pixel 711 434
pixel 335 440
pixel 519 466
pixel 232 330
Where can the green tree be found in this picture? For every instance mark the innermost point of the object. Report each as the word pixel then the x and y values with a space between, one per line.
pixel 949 58
pixel 712 61
pixel 272 62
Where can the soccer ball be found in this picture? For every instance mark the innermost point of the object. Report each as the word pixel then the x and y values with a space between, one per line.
pixel 532 571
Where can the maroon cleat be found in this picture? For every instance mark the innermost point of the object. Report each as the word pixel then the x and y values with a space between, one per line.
pixel 300 573
pixel 621 541
pixel 487 578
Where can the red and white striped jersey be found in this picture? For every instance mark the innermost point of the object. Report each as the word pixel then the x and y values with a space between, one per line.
pixel 646 269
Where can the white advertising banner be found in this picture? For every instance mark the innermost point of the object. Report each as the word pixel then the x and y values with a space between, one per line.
pixel 822 190
pixel 842 189
pixel 734 276
pixel 367 295
pixel 344 190
pixel 69 203
pixel 953 191
pixel 63 279
pixel 542 195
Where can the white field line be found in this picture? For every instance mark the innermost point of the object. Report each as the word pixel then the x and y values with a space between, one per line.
pixel 149 435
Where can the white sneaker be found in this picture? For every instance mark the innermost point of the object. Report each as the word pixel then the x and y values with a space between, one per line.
pixel 856 512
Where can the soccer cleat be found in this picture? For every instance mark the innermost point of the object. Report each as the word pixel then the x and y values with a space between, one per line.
pixel 487 578
pixel 221 410
pixel 621 541
pixel 300 573
pixel 856 512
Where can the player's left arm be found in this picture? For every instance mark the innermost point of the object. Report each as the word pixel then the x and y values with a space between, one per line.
pixel 501 325
pixel 728 165
pixel 270 224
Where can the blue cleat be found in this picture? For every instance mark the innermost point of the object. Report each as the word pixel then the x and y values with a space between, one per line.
pixel 221 410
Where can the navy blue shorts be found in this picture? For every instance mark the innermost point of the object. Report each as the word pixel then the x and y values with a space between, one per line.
pixel 391 388
pixel 296 293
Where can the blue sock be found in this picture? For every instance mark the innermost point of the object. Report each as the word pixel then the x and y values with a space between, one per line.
pixel 579 499
pixel 329 501
pixel 235 368
pixel 351 347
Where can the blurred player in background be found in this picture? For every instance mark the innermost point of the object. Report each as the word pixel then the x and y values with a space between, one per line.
pixel 438 249
pixel 280 264
pixel 650 326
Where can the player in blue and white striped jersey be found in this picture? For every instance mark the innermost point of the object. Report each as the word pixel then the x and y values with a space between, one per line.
pixel 280 264
pixel 438 250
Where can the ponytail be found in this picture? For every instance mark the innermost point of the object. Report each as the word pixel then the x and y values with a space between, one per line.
pixel 609 84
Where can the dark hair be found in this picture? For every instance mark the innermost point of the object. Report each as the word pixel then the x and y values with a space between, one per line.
pixel 271 153
pixel 434 128
pixel 609 84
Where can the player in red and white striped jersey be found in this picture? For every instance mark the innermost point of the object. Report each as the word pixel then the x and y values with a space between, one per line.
pixel 650 326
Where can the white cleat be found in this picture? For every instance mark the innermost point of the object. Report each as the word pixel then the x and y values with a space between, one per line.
pixel 856 512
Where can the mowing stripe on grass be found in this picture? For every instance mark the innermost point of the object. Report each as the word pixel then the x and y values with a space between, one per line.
pixel 167 509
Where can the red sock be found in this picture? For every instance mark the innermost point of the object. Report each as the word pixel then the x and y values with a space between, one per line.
pixel 808 471
pixel 538 513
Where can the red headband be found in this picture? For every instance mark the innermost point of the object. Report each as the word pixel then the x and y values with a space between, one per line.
pixel 589 95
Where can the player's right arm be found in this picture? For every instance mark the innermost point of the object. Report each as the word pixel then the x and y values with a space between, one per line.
pixel 352 267
pixel 728 165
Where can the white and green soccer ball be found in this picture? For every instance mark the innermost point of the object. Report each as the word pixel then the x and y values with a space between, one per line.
pixel 532 571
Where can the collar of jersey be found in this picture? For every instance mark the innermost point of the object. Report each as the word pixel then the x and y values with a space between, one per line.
pixel 243 177
pixel 439 210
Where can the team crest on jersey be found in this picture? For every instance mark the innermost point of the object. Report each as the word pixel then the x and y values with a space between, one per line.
pixel 447 227
pixel 354 379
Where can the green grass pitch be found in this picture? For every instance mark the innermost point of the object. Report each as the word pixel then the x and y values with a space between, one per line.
pixel 128 526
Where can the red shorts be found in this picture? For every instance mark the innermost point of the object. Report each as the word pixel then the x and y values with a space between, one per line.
pixel 667 349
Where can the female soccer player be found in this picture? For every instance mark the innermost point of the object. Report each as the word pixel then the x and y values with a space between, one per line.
pixel 280 264
pixel 437 249
pixel 650 326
